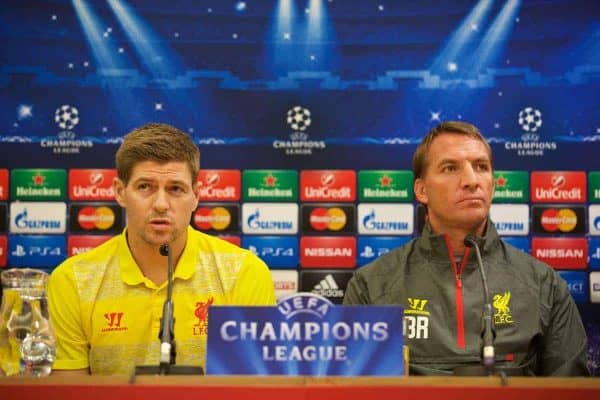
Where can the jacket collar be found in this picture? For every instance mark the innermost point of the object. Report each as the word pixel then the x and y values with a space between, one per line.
pixel 435 244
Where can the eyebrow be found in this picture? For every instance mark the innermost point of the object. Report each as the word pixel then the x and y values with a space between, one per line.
pixel 143 179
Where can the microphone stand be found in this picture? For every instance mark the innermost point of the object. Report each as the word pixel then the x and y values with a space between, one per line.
pixel 488 331
pixel 168 353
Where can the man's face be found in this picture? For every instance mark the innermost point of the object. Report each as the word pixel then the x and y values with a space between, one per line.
pixel 158 200
pixel 457 185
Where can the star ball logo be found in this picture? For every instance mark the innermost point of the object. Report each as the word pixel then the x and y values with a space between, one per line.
pixel 66 118
pixel 299 119
pixel 530 121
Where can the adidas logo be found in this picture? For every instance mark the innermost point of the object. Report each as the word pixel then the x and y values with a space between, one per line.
pixel 328 287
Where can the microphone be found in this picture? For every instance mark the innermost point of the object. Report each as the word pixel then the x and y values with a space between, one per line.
pixel 166 336
pixel 488 332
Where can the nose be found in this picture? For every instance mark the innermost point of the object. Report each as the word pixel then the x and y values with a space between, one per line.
pixel 469 177
pixel 161 201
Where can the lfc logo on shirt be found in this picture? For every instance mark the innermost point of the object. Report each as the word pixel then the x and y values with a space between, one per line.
pixel 201 312
pixel 502 315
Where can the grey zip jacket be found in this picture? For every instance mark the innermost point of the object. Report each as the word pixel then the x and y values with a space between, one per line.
pixel 538 327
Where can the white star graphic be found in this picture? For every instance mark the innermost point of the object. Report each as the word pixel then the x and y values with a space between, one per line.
pixel 287 36
pixel 435 116
pixel 25 111
pixel 158 106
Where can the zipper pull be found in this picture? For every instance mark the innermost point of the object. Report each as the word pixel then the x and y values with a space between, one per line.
pixel 458 282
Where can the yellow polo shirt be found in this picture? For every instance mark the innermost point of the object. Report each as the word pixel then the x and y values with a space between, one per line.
pixel 106 314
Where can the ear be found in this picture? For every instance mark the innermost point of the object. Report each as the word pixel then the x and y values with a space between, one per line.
pixel 420 191
pixel 196 190
pixel 119 189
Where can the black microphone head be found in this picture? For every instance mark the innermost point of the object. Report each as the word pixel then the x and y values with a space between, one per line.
pixel 471 240
pixel 164 249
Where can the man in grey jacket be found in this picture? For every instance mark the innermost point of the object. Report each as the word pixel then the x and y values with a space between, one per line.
pixel 435 278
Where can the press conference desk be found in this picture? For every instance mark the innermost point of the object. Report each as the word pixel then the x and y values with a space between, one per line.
pixel 296 388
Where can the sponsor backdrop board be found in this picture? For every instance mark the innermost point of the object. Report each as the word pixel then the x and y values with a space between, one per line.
pixel 287 128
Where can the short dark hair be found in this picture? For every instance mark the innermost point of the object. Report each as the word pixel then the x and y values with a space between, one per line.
pixel 419 162
pixel 156 142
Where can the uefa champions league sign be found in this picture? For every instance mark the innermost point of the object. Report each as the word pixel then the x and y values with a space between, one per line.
pixel 305 334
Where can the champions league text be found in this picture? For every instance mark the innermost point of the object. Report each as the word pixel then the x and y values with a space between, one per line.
pixel 295 332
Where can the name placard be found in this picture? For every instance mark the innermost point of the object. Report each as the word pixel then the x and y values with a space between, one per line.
pixel 305 334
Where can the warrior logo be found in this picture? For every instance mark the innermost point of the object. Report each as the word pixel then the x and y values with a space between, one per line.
pixel 416 319
pixel 113 322
pixel 502 316
pixel 201 312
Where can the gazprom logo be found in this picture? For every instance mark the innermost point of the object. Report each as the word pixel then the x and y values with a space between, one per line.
pixel 270 218
pixel 594 219
pixel 510 219
pixel 381 219
pixel 37 217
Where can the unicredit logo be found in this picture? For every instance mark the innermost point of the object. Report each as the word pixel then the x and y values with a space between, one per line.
pixel 559 186
pixel 93 192
pixel 324 192
pixel 557 194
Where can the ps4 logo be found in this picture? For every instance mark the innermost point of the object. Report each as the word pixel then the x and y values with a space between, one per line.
pixel 273 251
pixel 21 251
pixel 368 252
pixel 596 254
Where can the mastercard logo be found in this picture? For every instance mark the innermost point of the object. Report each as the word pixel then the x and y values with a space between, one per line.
pixel 217 218
pixel 333 219
pixel 96 218
pixel 563 220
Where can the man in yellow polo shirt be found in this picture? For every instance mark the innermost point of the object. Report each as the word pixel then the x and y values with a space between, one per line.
pixel 106 304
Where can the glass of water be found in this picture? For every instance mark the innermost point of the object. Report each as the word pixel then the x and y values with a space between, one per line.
pixel 27 343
